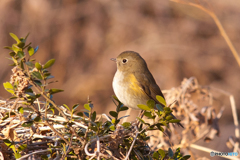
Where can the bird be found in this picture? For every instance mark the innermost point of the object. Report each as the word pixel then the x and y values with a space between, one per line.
pixel 133 83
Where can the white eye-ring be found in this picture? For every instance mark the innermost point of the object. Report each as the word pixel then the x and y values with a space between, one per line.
pixel 124 61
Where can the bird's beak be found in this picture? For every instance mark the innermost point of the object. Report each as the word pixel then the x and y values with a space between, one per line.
pixel 114 59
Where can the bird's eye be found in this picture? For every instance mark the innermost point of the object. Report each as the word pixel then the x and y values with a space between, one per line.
pixel 124 60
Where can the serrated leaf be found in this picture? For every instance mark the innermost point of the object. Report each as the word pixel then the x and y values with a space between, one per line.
pixel 15 37
pixel 159 107
pixel 161 100
pixel 124 108
pixel 8 87
pixel 151 103
pixel 36 75
pixel 55 90
pixel 20 110
pixel 87 107
pixel 113 114
pixel 144 107
pixel 27 124
pixel 49 63
pixel 30 51
pixel 38 66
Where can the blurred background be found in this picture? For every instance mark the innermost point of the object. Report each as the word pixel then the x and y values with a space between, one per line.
pixel 176 40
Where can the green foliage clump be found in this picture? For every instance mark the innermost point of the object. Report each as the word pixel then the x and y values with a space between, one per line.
pixel 64 132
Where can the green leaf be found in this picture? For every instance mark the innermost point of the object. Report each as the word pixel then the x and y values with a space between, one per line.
pixel 49 63
pixel 148 114
pixel 38 66
pixel 159 127
pixel 7 47
pixel 30 64
pixel 155 155
pixel 37 119
pixel 30 51
pixel 20 54
pixel 93 118
pixel 54 90
pixel 27 124
pixel 144 107
pixel 15 48
pixel 17 155
pixel 36 49
pixel 124 108
pixel 186 157
pixel 151 103
pixel 112 128
pixel 75 106
pixel 113 113
pixel 21 44
pixel 36 75
pixel 141 120
pixel 20 110
pixel 80 114
pixel 175 121
pixel 161 100
pixel 66 106
pixel 87 107
pixel 12 54
pixel 170 152
pixel 15 37
pixel 7 142
pixel 86 114
pixel 126 125
pixel 8 86
pixel 159 107
pixel 162 153
pixel 22 147
pixel 169 117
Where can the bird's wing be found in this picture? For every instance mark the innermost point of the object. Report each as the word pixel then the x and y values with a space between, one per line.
pixel 149 86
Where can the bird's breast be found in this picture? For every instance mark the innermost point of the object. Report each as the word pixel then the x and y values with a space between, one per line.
pixel 127 89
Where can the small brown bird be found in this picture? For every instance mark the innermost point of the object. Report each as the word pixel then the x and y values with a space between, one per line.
pixel 133 83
